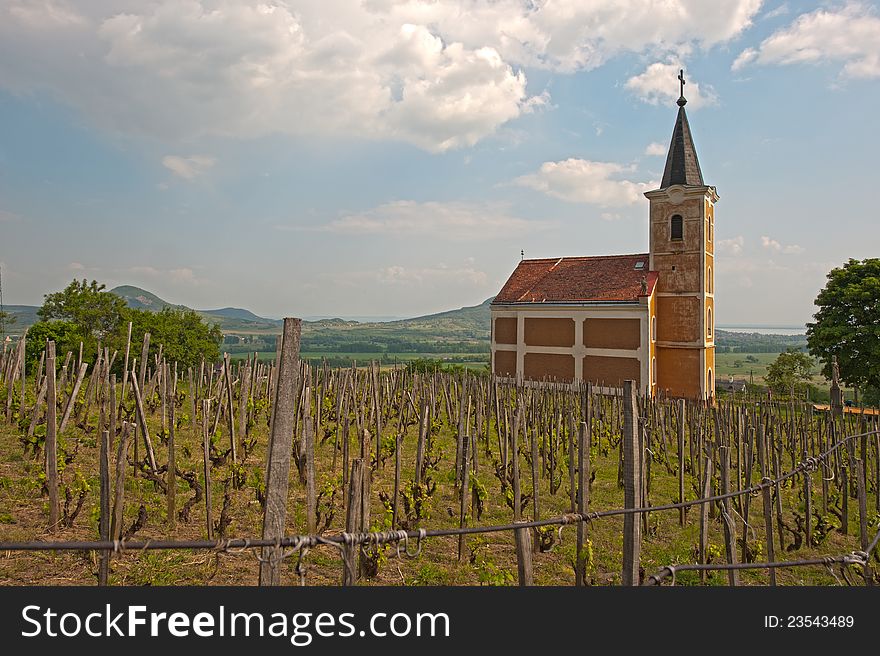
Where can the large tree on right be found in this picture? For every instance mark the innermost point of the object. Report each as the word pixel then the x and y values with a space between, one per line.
pixel 847 325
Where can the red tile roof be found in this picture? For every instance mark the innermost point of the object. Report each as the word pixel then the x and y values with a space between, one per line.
pixel 578 279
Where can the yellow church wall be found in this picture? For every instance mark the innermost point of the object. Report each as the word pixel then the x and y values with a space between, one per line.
pixel 552 366
pixel 679 372
pixel 549 332
pixel 685 277
pixel 678 318
pixel 710 365
pixel 612 333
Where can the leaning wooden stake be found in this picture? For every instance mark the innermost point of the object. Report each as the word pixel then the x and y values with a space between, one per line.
pixel 280 448
pixel 142 422
pixel 119 483
pixel 632 537
pixel 206 452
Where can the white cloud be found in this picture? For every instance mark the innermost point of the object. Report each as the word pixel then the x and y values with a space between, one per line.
pixel 188 167
pixel 439 220
pixel 400 275
pixel 849 35
pixel 9 217
pixel 178 275
pixel 781 10
pixel 439 75
pixel 583 181
pixel 733 246
pixel 776 247
pixel 655 150
pixel 659 84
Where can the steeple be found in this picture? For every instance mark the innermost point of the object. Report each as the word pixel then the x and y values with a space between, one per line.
pixel 682 165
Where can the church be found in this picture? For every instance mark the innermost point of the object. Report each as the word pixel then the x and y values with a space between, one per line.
pixel 605 319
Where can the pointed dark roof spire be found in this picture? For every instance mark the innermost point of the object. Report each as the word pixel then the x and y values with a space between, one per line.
pixel 682 165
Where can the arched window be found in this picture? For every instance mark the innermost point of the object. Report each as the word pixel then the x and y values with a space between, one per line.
pixel 676 228
pixel 654 371
pixel 710 229
pixel 709 281
pixel 654 328
pixel 710 387
pixel 709 322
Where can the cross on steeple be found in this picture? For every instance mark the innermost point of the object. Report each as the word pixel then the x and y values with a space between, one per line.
pixel 682 101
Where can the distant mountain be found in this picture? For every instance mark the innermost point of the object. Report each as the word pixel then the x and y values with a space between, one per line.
pixel 229 319
pixel 477 317
pixel 23 315
pixel 141 299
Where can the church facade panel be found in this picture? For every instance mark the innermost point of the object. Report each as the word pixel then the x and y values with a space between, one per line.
pixel 612 371
pixel 552 366
pixel 505 330
pixel 612 333
pixel 505 363
pixel 549 332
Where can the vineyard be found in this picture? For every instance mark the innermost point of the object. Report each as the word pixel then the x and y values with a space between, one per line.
pixel 135 471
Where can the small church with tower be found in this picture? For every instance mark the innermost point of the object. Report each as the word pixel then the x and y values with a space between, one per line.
pixel 647 317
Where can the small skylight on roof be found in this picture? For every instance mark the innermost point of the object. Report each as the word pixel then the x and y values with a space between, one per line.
pixel 640 265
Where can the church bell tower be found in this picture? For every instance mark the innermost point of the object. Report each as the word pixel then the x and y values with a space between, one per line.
pixel 682 252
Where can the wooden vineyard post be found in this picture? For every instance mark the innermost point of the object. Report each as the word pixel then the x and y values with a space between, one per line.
pixel 280 449
pixel 465 491
pixel 144 361
pixel 682 512
pixel 353 520
pixel 142 422
pixel 206 451
pixel 308 436
pixel 230 405
pixel 171 478
pixel 632 478
pixel 583 491
pixel 395 501
pixel 521 535
pixel 729 525
pixel 863 519
pixel 104 519
pixel 125 365
pixel 119 483
pixel 71 401
pixel 705 491
pixel 51 440
pixel 765 493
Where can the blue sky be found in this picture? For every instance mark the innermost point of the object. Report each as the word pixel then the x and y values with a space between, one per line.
pixel 392 157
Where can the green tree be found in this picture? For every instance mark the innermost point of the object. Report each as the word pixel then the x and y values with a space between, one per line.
pixel 65 334
pixel 96 313
pixel 791 371
pixel 185 337
pixel 847 324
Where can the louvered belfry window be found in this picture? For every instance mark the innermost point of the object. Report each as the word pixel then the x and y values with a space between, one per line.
pixel 676 231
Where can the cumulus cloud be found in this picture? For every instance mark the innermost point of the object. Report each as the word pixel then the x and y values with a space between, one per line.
pixel 439 75
pixel 655 149
pixel 657 84
pixel 849 35
pixel 583 181
pixel 439 220
pixel 188 167
pixel 733 246
pixel 773 245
